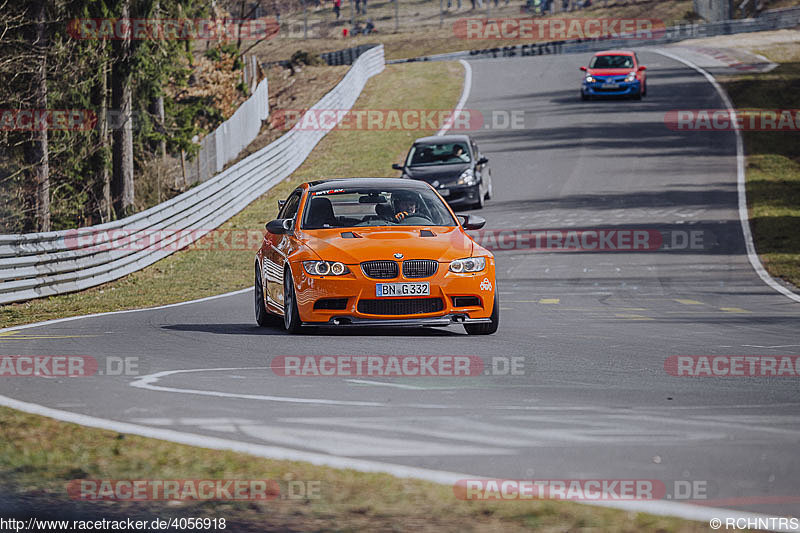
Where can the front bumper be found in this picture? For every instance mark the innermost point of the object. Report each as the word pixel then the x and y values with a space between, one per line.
pixel 463 194
pixel 355 287
pixel 432 322
pixel 630 88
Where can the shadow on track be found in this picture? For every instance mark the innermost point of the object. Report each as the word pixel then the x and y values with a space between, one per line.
pixel 344 331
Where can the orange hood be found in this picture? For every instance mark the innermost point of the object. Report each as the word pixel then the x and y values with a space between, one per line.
pixel 375 243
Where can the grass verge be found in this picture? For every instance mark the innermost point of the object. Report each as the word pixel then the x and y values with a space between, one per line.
pixel 215 267
pixel 40 456
pixel 773 162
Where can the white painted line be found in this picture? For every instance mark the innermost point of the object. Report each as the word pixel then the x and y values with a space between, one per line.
pixel 662 508
pixel 148 382
pixel 79 317
pixel 769 68
pixel 779 346
pixel 384 384
pixel 740 183
pixel 465 90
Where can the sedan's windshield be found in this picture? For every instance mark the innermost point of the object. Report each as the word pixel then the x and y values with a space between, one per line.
pixel 611 62
pixel 423 155
pixel 378 206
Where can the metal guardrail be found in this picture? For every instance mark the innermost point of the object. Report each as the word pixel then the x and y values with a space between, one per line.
pixel 346 56
pixel 769 20
pixel 34 265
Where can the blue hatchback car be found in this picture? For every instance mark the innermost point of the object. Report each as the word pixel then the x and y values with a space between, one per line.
pixel 614 73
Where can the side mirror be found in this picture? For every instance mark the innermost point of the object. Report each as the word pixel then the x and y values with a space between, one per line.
pixel 482 161
pixel 280 226
pixel 471 221
pixel 281 203
pixel 642 67
pixel 583 69
pixel 397 167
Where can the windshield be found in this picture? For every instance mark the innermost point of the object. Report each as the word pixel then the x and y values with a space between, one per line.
pixel 379 206
pixel 424 155
pixel 611 62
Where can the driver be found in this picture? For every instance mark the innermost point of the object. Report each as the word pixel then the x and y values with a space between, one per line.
pixel 405 205
pixel 458 151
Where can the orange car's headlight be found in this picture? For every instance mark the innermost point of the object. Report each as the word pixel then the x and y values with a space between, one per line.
pixel 325 268
pixel 469 264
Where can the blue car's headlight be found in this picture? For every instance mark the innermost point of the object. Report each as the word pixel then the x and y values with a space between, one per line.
pixel 631 77
pixel 589 79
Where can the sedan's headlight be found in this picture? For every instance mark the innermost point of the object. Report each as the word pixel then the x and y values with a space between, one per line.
pixel 589 78
pixel 470 264
pixel 325 268
pixel 467 178
pixel 631 77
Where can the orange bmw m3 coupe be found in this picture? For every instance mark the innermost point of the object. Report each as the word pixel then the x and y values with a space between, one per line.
pixel 373 251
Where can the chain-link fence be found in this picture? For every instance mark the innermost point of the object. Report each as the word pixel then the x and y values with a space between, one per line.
pixel 226 142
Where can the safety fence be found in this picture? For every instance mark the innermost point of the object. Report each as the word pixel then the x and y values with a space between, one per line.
pixel 34 265
pixel 226 142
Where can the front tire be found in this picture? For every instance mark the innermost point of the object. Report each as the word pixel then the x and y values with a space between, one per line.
pixel 584 96
pixel 487 328
pixel 478 204
pixel 262 317
pixel 291 315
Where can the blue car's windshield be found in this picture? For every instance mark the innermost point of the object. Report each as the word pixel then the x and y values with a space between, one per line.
pixel 611 62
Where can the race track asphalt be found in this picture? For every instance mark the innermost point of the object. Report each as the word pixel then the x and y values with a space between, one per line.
pixel 594 327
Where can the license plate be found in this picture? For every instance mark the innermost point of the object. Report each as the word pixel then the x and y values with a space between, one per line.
pixel 610 86
pixel 444 192
pixel 402 289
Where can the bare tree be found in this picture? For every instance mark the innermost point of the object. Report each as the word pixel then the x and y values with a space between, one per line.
pixel 36 152
pixel 121 100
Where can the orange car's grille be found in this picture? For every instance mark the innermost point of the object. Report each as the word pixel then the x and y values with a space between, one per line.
pixel 400 306
pixel 380 269
pixel 420 268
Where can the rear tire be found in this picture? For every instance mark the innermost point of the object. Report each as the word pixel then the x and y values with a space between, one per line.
pixel 291 316
pixel 487 328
